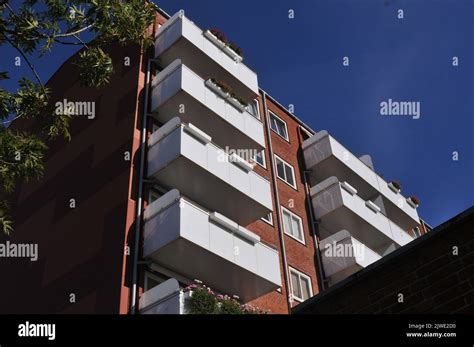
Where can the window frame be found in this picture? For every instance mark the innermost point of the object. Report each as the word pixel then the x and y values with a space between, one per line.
pixel 264 165
pixel 256 116
pixel 270 222
pixel 300 275
pixel 151 192
pixel 292 171
pixel 270 114
pixel 154 277
pixel 300 222
pixel 417 232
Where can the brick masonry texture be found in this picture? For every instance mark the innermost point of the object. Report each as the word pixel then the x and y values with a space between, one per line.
pixel 427 272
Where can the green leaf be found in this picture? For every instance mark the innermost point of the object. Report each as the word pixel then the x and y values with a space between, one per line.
pixel 95 67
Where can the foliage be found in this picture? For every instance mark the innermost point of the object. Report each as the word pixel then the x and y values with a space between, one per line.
pixel 228 90
pixel 396 184
pixel 232 45
pixel 202 302
pixel 415 200
pixel 205 301
pixel 34 27
pixel 95 67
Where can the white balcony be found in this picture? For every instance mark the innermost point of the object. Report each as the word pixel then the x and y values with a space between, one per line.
pixel 166 298
pixel 180 38
pixel 343 255
pixel 178 91
pixel 183 157
pixel 196 243
pixel 339 207
pixel 326 157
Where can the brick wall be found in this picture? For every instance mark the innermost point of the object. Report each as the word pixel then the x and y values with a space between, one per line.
pixel 300 255
pixel 427 272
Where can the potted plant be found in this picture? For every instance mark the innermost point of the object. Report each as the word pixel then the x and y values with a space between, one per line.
pixel 203 300
pixel 225 91
pixel 220 40
pixel 395 186
pixel 413 201
pixel 220 88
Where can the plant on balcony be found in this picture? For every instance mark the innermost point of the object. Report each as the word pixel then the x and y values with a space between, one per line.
pixel 226 43
pixel 395 184
pixel 202 302
pixel 226 89
pixel 222 86
pixel 205 301
pixel 414 200
pixel 233 46
pixel 219 34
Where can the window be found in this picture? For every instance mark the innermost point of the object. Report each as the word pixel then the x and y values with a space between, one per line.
pixel 259 158
pixel 154 127
pixel 152 280
pixel 253 109
pixel 268 218
pixel 285 171
pixel 292 225
pixel 278 126
pixel 153 196
pixel 417 232
pixel 300 285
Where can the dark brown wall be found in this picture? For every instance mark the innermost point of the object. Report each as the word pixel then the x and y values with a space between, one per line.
pixel 431 278
pixel 80 250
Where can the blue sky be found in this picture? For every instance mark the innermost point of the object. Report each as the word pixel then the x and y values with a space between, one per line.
pixel 299 62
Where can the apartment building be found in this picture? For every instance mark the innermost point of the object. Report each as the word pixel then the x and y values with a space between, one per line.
pixel 191 171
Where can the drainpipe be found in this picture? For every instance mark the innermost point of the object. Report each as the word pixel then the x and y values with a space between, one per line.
pixel 314 227
pixel 138 216
pixel 277 203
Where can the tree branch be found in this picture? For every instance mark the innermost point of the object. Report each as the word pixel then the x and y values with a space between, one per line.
pixel 27 61
pixel 73 33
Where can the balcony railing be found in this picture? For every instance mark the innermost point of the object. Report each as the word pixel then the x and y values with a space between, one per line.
pixel 343 255
pixel 326 157
pixel 196 243
pixel 339 207
pixel 182 156
pixel 180 38
pixel 178 91
pixel 166 298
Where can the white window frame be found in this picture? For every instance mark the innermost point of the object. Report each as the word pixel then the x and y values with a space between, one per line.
pixel 264 165
pixel 268 221
pixel 300 222
pixel 300 275
pixel 292 172
pixel 256 116
pixel 287 138
pixel 417 232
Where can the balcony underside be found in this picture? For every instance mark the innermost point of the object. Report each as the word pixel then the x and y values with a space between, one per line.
pixel 199 185
pixel 186 239
pixel 343 255
pixel 184 94
pixel 325 157
pixel 223 133
pixel 340 209
pixel 184 40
